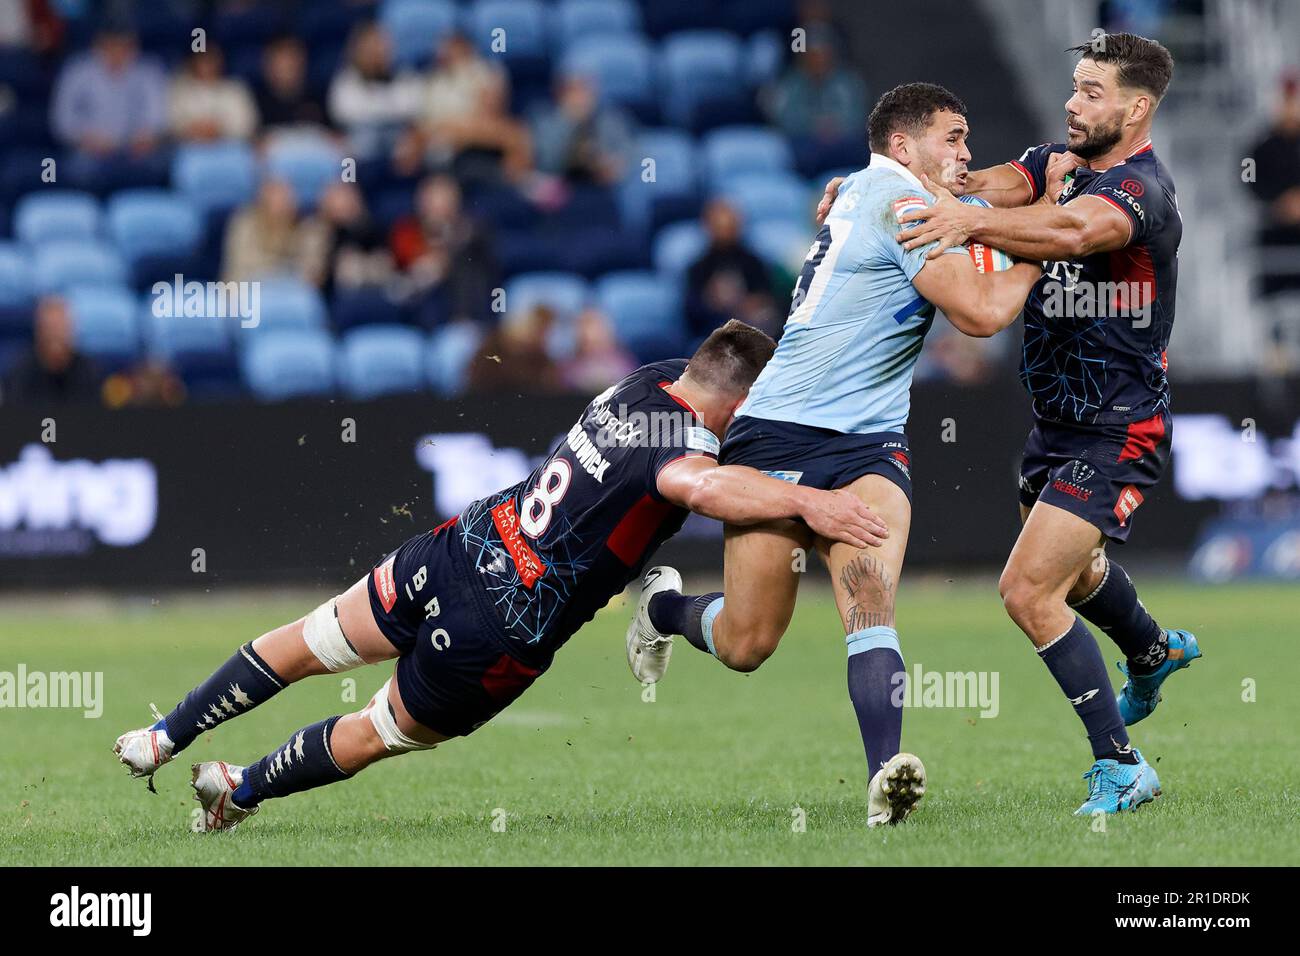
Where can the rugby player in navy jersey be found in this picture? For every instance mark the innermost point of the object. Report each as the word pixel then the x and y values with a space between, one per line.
pixel 475 609
pixel 1100 212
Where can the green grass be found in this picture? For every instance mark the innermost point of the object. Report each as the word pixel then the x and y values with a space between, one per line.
pixel 708 773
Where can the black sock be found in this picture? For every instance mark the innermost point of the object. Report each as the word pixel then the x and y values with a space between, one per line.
pixel 876 687
pixel 1114 607
pixel 303 763
pixel 1075 661
pixel 235 688
pixel 672 612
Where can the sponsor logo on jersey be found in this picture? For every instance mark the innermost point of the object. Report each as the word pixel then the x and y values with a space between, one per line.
pixel 1132 187
pixel 385 586
pixel 586 453
pixel 702 439
pixel 902 463
pixel 527 563
pixel 790 476
pixel 1128 502
pixel 908 204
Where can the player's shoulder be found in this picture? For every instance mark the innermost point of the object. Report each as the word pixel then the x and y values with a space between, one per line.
pixel 644 383
pixel 884 196
pixel 1141 182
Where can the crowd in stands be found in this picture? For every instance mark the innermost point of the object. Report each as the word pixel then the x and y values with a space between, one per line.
pixel 519 195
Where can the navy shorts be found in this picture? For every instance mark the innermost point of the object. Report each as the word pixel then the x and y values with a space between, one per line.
pixel 454 672
pixel 816 457
pixel 1099 472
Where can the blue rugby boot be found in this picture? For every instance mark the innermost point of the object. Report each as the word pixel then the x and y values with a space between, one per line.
pixel 1114 786
pixel 1141 692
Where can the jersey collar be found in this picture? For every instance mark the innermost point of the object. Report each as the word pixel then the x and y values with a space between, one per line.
pixel 681 401
pixel 881 161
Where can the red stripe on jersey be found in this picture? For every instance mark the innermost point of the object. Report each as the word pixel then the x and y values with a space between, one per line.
pixel 527 563
pixel 680 401
pixel 633 534
pixel 1128 213
pixel 446 524
pixel 1033 191
pixel 1142 438
pixel 1134 275
pixel 507 679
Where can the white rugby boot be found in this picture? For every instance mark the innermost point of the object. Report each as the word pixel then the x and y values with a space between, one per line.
pixel 143 751
pixel 895 790
pixel 648 650
pixel 214 783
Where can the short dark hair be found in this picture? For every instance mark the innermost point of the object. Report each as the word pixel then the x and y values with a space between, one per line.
pixel 731 357
pixel 908 109
pixel 1143 64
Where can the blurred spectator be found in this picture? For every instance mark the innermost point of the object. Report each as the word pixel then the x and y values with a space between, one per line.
pixel 367 98
pixel 466 117
pixel 30 25
pixel 514 357
pixel 598 360
pixel 728 281
pixel 283 98
pixel 1277 183
pixel 268 237
pixel 207 106
pixel 446 255
pixel 110 106
pixel 822 107
pixel 53 370
pixel 149 382
pixel 577 138
pixel 358 251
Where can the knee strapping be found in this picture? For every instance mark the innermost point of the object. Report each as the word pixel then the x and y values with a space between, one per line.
pixel 325 639
pixel 381 717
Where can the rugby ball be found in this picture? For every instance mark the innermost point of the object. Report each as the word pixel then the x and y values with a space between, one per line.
pixel 986 258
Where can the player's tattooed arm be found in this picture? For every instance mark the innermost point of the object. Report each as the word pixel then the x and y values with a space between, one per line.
pixel 740 496
pixel 869 592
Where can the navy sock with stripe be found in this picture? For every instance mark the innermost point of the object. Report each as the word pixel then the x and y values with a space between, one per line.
pixel 303 763
pixel 236 687
pixel 876 686
pixel 1115 608
pixel 1075 661
pixel 690 615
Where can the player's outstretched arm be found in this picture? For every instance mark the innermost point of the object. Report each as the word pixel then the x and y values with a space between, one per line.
pixel 740 495
pixel 976 304
pixel 1004 186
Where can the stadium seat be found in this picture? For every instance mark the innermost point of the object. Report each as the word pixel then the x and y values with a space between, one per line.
pixel 764 55
pixel 215 177
pixel 153 222
pixel 564 292
pixel 699 67
pixel 448 355
pixel 762 197
pixel 416 28
pixel 644 310
pixel 308 163
pixel 780 242
pixel 622 68
pixel 673 193
pixel 677 246
pixel 523 23
pixel 66 262
pixel 15 275
pixel 381 360
pixel 367 305
pixel 578 19
pixel 57 214
pixel 736 150
pixel 199 348
pixel 288 303
pixel 104 319
pixel 289 363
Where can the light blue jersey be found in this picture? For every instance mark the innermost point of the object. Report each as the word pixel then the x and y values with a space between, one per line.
pixel 856 324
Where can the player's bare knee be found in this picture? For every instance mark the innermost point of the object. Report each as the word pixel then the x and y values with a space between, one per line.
pixel 747 656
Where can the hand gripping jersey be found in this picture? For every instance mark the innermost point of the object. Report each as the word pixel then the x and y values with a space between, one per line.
pixel 1096 328
pixel 554 548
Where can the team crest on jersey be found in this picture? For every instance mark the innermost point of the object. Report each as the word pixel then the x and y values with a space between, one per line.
pixel 1080 474
pixel 908 204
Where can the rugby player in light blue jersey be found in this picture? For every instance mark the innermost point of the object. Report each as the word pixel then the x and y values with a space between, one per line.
pixel 829 411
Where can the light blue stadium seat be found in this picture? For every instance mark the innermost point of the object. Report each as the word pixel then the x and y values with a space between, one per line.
pixel 677 246
pixel 15 275
pixel 66 262
pixel 622 67
pixel 642 306
pixel 676 171
pixel 736 150
pixel 564 292
pixel 215 176
pixel 146 222
pixel 448 354
pixel 780 242
pixel 524 23
pixel 578 19
pixel 57 214
pixel 104 320
pixel 763 56
pixel 308 163
pixel 416 28
pixel 168 336
pixel 695 65
pixel 762 197
pixel 288 303
pixel 379 360
pixel 289 363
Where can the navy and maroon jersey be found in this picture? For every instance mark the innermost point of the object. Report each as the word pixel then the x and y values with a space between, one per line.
pixel 554 548
pixel 1096 328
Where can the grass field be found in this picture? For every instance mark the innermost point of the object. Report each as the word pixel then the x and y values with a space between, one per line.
pixel 714 771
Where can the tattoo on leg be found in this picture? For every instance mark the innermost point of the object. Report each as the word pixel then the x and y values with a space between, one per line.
pixel 869 588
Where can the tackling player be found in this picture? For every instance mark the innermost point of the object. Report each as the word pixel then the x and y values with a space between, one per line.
pixel 829 412
pixel 475 609
pixel 1101 212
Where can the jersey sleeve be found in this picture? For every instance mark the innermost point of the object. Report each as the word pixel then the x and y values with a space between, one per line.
pixel 1134 193
pixel 901 202
pixel 1032 164
pixel 687 440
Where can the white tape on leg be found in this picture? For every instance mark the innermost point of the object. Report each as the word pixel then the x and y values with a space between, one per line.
pixel 325 639
pixel 386 726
